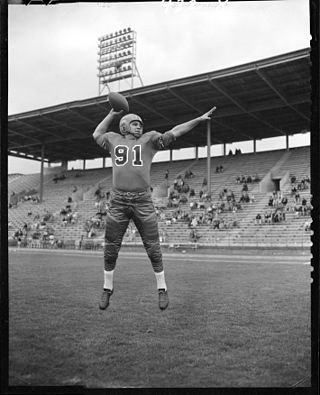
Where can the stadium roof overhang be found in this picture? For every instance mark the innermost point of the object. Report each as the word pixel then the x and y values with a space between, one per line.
pixel 266 98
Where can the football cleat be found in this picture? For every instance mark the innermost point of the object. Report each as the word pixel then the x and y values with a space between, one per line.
pixel 163 299
pixel 105 297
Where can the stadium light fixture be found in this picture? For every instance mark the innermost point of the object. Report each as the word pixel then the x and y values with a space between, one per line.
pixel 117 57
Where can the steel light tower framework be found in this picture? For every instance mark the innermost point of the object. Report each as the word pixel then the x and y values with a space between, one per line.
pixel 117 60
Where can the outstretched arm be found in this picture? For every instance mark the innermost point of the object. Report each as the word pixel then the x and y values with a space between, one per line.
pixel 105 123
pixel 183 128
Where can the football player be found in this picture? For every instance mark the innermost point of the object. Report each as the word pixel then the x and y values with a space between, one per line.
pixel 131 152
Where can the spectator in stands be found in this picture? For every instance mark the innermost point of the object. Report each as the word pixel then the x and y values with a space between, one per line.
pixel 256 178
pixel 36 217
pixel 183 199
pixel 244 197
pixel 304 207
pixel 298 210
pixel 267 217
pixel 166 175
pixel 230 152
pixel 284 201
pixel 245 187
pixel 307 225
pixel 98 193
pixel 238 179
pixel 59 243
pixel 188 174
pixel 163 236
pixel 193 205
pixel 216 223
pixel 79 243
pixel 194 236
pixel 258 219
pixel 192 193
pixel 293 179
pixel 204 182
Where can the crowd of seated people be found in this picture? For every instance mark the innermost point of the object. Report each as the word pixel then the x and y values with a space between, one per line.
pixel 39 230
pixel 242 179
pixel 93 226
pixel 219 169
pixel 96 223
pixel 67 213
pixel 297 204
pixel 271 216
pixel 302 207
pixel 301 185
pixel 33 198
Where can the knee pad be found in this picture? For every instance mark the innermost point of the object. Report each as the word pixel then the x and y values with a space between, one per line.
pixel 154 254
pixel 113 238
pixel 111 251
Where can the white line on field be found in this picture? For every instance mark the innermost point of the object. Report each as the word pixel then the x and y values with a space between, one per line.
pixel 271 259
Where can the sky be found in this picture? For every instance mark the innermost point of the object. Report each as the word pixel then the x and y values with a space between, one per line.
pixel 53 50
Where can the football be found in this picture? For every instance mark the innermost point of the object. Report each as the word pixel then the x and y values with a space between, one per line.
pixel 118 102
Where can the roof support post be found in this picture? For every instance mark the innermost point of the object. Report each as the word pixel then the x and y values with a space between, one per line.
pixel 41 174
pixel 254 146
pixel 209 155
pixel 84 164
pixel 171 154
pixel 224 149
pixel 287 142
pixel 104 162
pixel 64 165
pixel 196 152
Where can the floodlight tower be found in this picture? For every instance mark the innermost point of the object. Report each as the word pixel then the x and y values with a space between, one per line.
pixel 117 60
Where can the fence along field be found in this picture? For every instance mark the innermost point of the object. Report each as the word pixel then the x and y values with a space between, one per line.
pixel 233 321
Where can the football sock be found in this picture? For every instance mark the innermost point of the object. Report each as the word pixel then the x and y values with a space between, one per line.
pixel 161 282
pixel 108 280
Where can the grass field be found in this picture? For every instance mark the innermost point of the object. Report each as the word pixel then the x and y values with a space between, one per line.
pixel 233 321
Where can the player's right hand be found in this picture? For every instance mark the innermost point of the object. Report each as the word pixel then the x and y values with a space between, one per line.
pixel 116 113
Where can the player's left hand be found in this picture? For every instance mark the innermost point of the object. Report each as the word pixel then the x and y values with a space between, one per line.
pixel 208 114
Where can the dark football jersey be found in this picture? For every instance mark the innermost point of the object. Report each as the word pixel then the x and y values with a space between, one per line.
pixel 132 158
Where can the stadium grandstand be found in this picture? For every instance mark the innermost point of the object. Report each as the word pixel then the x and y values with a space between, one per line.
pixel 256 199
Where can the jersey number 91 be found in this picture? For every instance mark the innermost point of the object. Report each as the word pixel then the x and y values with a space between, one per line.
pixel 121 155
